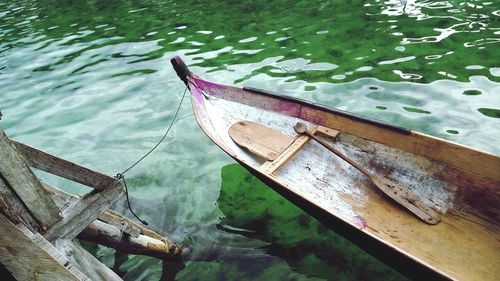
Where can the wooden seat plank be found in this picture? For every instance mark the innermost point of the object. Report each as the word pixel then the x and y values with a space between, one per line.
pixel 271 167
pixel 270 144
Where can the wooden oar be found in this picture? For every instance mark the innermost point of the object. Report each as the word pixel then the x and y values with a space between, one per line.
pixel 390 188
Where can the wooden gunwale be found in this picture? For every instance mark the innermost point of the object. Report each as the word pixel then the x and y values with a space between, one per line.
pixel 473 171
pixel 476 167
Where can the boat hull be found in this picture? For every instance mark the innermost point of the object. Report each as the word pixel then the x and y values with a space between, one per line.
pixel 460 182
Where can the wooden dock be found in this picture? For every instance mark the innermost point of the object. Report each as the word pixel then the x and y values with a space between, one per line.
pixel 38 222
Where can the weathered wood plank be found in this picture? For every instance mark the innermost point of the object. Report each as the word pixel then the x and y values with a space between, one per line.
pixel 25 184
pixel 120 222
pixel 143 230
pixel 110 236
pixel 43 161
pixel 271 167
pixel 459 156
pixel 328 132
pixel 85 262
pixel 125 225
pixel 49 248
pixel 12 206
pixel 61 198
pixel 87 209
pixel 27 260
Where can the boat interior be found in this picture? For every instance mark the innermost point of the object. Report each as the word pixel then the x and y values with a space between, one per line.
pixel 461 184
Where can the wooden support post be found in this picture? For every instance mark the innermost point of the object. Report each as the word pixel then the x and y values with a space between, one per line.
pixel 30 257
pixel 115 218
pixel 116 225
pixel 12 206
pixel 173 248
pixel 25 184
pixel 63 168
pixel 85 262
pixel 110 236
pixel 83 212
pixel 125 225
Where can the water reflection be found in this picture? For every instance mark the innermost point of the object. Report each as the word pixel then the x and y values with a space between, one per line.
pixel 90 81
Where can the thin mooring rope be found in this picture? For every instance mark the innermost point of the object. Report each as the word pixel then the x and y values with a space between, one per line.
pixel 121 176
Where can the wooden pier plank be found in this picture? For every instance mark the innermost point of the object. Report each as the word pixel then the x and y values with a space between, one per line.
pixel 12 206
pixel 121 225
pixel 83 261
pixel 125 225
pixel 80 214
pixel 43 161
pixel 25 184
pixel 27 260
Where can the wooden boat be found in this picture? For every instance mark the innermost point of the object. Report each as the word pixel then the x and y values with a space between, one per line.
pixel 460 184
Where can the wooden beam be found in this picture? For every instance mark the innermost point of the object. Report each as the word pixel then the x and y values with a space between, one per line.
pixel 117 220
pixel 173 248
pixel 62 199
pixel 25 184
pixel 29 257
pixel 85 262
pixel 80 214
pixel 12 207
pixel 110 236
pixel 43 161
pixel 111 217
pixel 125 225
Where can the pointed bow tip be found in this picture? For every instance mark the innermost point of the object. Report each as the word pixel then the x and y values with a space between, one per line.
pixel 180 68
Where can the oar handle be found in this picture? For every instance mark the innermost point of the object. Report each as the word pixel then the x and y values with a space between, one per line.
pixel 339 154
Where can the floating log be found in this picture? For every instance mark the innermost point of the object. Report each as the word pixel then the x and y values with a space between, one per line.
pixel 111 236
pixel 116 231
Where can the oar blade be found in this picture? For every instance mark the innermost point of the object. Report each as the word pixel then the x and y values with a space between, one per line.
pixel 406 199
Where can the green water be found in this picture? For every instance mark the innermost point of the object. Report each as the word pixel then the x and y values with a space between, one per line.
pixel 91 81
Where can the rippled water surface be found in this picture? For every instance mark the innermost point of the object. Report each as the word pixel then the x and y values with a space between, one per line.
pixel 91 81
